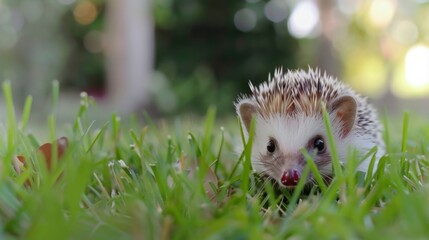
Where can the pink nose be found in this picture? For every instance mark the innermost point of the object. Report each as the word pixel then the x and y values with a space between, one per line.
pixel 290 178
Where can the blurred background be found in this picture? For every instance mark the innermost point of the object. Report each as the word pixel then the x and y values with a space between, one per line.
pixel 172 57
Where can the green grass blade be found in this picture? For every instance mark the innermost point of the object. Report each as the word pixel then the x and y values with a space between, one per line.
pixel 26 112
pixel 248 159
pixel 11 130
pixel 97 137
pixel 331 142
pixel 219 153
pixel 370 172
pixel 208 129
pixel 404 163
pixel 52 130
pixel 314 170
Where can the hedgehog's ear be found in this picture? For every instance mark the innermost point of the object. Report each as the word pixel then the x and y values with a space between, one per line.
pixel 344 110
pixel 246 110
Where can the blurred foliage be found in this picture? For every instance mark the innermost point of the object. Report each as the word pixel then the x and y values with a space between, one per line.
pixel 207 59
pixel 83 69
pixel 208 50
pixel 374 40
pixel 31 50
pixel 203 58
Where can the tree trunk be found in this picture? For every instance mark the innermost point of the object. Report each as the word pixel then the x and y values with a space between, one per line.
pixel 129 53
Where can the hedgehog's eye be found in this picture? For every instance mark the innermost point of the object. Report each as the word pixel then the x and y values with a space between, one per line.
pixel 319 144
pixel 271 147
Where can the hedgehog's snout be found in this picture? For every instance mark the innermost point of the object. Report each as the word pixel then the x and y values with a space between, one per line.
pixel 290 178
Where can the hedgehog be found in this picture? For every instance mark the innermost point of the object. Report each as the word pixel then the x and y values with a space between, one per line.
pixel 288 117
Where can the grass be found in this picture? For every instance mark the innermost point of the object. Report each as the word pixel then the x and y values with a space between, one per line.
pixel 182 180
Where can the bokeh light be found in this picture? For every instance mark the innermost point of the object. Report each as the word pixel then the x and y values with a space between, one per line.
pixel 349 6
pixel 276 10
pixel 417 66
pixel 304 19
pixel 245 19
pixel 93 41
pixel 405 32
pixel 365 72
pixel 411 76
pixel 85 12
pixel 381 12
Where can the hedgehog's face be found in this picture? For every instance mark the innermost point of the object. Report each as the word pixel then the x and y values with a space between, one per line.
pixel 279 140
pixel 278 143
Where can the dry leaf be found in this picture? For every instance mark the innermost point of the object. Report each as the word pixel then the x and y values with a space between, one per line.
pixel 46 150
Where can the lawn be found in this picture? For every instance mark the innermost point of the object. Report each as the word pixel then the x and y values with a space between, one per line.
pixel 181 179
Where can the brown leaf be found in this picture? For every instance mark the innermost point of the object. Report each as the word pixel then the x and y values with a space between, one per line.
pixel 46 150
pixel 19 161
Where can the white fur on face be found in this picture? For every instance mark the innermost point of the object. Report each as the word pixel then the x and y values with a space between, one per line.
pixel 293 133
